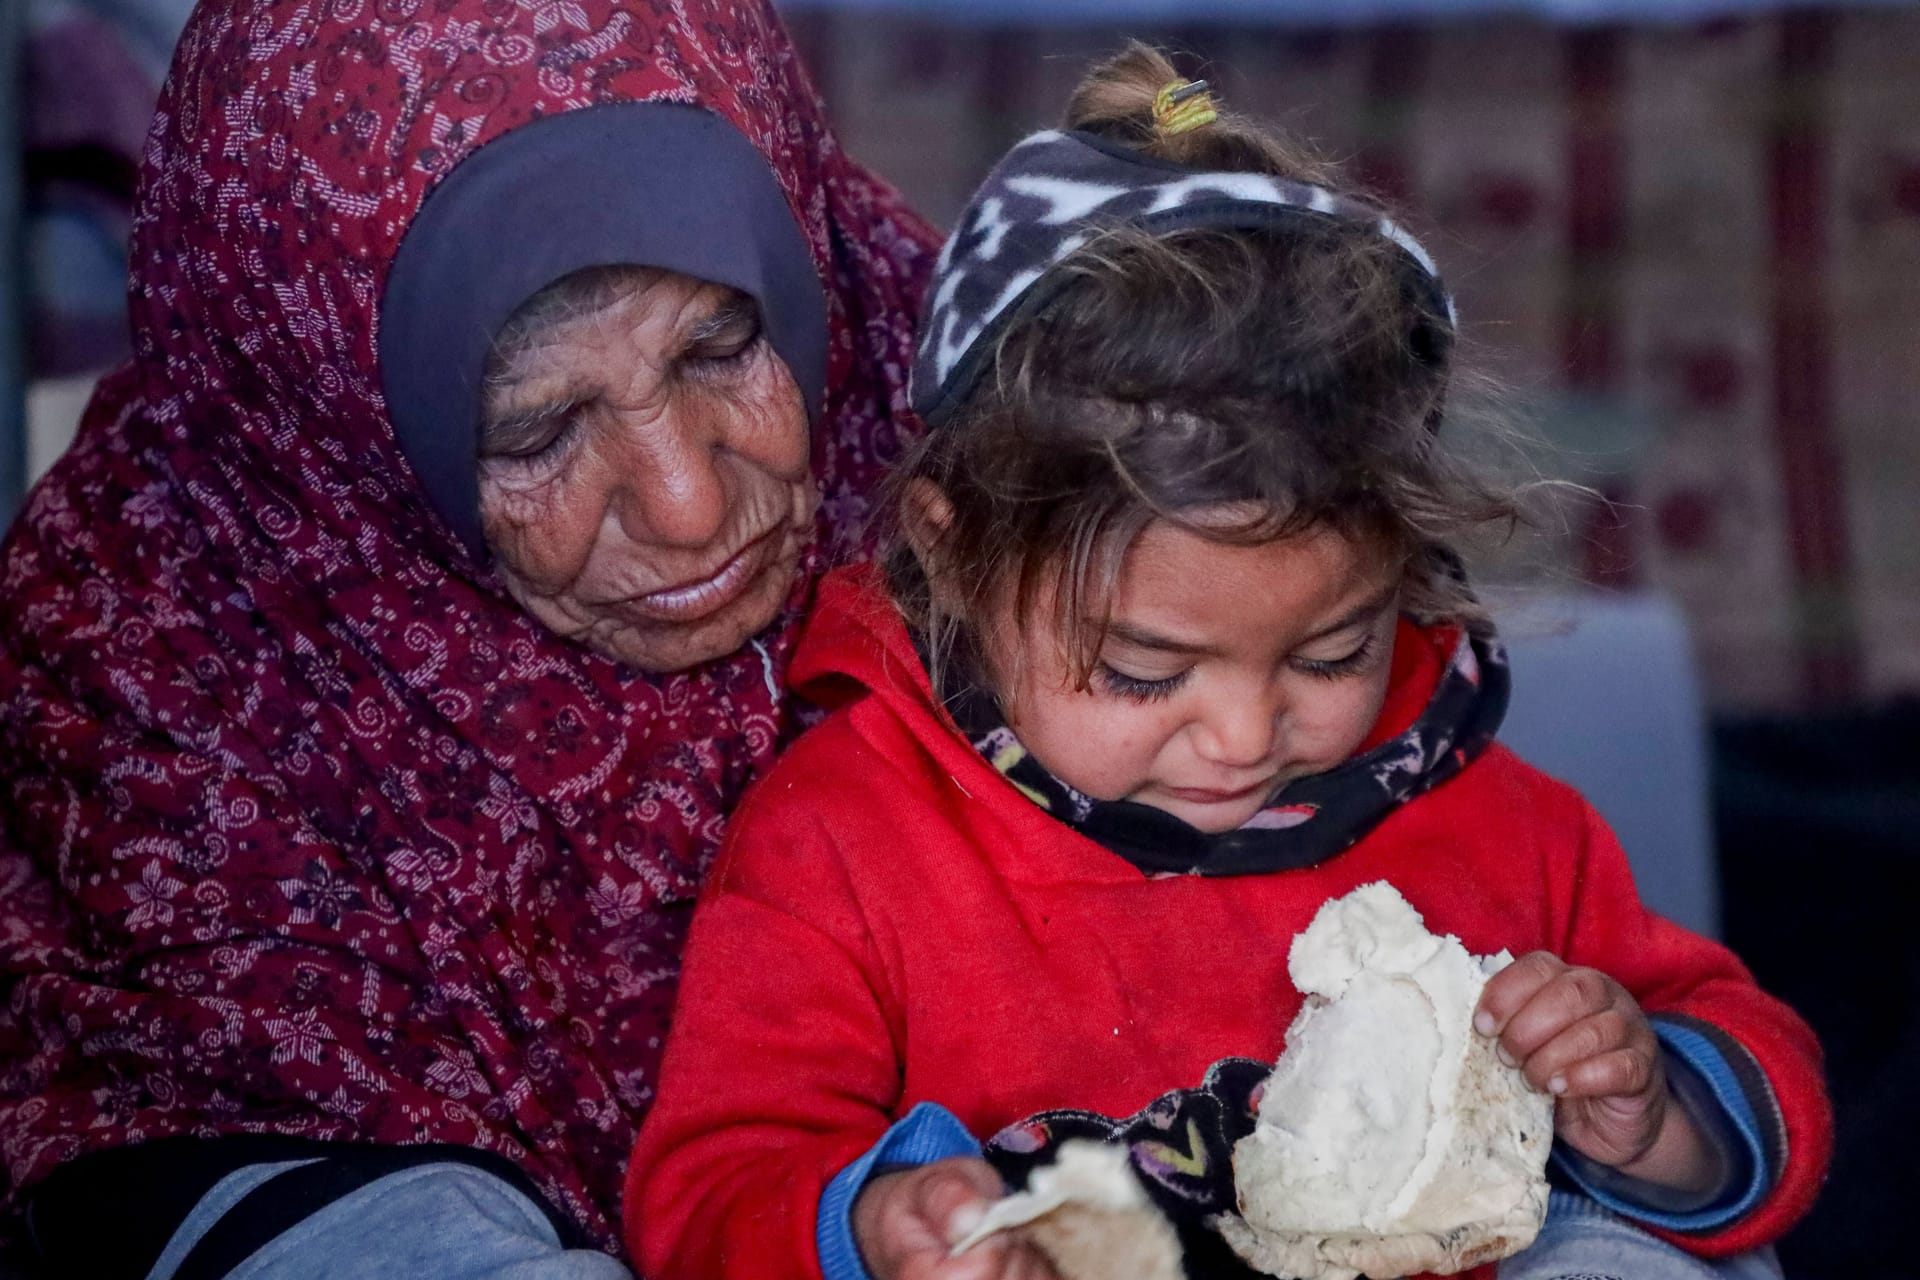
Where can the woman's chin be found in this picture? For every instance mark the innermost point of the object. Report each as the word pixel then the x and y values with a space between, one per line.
pixel 668 647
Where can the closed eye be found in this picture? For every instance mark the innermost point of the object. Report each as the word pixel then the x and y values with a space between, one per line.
pixel 726 338
pixel 726 351
pixel 533 440
pixel 1136 688
pixel 1349 664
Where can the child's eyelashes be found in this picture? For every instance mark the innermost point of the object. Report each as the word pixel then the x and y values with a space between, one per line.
pixel 1348 664
pixel 1139 690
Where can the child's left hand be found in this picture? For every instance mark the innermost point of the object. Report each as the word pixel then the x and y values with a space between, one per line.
pixel 1581 1036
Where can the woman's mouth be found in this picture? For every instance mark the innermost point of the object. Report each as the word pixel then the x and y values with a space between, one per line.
pixel 692 601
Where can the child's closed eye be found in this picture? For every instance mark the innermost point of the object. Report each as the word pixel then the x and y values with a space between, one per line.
pixel 1138 688
pixel 1348 664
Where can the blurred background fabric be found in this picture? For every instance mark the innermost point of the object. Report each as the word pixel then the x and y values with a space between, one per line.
pixel 1694 246
pixel 78 79
pixel 1684 234
pixel 1607 697
pixel 1320 13
pixel 13 299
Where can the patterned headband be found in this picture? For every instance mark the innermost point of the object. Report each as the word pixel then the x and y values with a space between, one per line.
pixel 1053 193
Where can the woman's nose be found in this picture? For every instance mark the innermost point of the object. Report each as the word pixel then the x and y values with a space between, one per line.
pixel 670 483
pixel 1238 731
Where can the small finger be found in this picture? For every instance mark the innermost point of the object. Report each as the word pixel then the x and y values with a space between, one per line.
pixel 1618 1073
pixel 1000 1257
pixel 1573 995
pixel 1572 1044
pixel 991 1259
pixel 1028 1263
pixel 955 1195
pixel 1510 989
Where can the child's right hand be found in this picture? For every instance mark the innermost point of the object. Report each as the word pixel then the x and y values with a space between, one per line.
pixel 906 1222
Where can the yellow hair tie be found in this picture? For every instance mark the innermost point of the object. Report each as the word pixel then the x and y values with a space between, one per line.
pixel 1183 105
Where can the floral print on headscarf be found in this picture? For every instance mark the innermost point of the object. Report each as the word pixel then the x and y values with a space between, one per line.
pixel 304 826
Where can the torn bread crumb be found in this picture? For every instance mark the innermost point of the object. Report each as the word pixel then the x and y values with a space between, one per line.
pixel 1088 1214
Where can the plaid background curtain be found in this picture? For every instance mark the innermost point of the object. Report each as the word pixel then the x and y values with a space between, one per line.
pixel 1692 250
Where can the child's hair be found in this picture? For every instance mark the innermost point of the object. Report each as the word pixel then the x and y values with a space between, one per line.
pixel 1294 372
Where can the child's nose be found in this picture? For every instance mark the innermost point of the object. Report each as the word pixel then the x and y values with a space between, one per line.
pixel 1239 732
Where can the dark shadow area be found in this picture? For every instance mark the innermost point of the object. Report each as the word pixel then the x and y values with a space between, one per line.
pixel 1817 820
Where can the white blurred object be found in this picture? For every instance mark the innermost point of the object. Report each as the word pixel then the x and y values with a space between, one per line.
pixel 1605 698
pixel 54 406
pixel 1089 1215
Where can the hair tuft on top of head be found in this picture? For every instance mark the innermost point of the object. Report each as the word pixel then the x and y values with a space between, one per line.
pixel 1115 101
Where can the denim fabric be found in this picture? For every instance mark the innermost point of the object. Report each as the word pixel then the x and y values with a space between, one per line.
pixel 1582 1241
pixel 430 1222
pixel 213 1206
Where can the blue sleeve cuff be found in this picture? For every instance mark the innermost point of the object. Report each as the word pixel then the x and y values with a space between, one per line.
pixel 925 1134
pixel 1705 1083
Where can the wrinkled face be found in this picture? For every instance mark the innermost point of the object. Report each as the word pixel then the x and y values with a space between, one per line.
pixel 1227 672
pixel 644 481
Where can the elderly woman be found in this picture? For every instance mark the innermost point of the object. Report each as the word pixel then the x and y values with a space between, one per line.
pixel 378 669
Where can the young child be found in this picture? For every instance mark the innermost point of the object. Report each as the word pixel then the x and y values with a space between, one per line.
pixel 1170 652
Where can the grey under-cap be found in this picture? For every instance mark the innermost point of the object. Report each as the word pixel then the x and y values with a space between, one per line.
pixel 655 184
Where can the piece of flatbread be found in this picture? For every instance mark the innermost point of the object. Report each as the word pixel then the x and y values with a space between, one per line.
pixel 1390 1139
pixel 1088 1214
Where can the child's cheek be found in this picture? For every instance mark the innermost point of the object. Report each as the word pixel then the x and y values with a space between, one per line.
pixel 1140 744
pixel 1111 750
pixel 1339 723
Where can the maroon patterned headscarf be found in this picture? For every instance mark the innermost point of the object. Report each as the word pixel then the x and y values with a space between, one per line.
pixel 304 826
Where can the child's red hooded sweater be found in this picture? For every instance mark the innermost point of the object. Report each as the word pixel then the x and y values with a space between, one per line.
pixel 891 922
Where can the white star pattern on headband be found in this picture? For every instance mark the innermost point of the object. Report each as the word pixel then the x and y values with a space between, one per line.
pixel 1048 197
